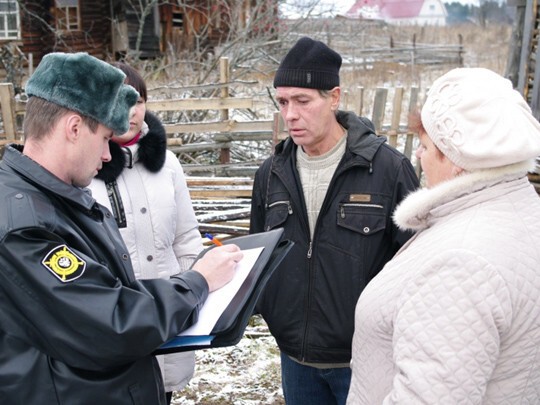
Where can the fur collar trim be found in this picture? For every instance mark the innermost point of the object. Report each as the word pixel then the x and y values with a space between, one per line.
pixel 150 152
pixel 414 212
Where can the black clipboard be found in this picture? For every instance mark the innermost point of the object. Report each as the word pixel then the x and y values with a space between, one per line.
pixel 232 323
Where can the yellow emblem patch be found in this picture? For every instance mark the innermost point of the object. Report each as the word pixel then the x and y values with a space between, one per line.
pixel 64 264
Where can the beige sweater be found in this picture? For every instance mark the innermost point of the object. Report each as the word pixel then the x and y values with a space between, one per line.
pixel 316 172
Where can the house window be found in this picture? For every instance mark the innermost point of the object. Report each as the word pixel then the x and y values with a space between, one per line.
pixel 9 19
pixel 67 15
pixel 178 20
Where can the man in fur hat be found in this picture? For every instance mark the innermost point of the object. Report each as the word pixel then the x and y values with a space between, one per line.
pixel 76 327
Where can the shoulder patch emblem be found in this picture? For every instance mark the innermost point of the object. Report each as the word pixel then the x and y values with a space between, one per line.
pixel 64 264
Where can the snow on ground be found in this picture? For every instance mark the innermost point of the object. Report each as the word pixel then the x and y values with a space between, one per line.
pixel 245 374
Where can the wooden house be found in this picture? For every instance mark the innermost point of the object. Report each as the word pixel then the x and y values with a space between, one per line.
pixel 115 27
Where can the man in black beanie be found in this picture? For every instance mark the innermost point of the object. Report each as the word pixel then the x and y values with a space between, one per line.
pixel 333 186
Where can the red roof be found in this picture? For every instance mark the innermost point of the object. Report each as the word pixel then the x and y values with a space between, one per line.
pixel 388 8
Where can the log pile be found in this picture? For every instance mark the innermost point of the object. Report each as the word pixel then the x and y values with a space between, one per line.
pixel 222 204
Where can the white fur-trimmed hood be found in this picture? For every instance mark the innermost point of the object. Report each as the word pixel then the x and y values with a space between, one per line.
pixel 414 212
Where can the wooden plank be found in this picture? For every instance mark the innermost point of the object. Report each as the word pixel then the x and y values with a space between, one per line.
pixel 243 136
pixel 220 192
pixel 200 104
pixel 7 104
pixel 193 181
pixel 233 170
pixel 199 147
pixel 413 104
pixel 379 106
pixel 396 116
pixel 279 132
pixel 526 49
pixel 360 108
pixel 220 126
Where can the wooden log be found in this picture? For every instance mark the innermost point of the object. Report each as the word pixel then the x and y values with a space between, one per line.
pixel 221 216
pixel 216 229
pixel 228 202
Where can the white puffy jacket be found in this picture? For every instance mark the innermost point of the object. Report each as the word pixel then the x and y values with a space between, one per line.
pixel 161 231
pixel 454 317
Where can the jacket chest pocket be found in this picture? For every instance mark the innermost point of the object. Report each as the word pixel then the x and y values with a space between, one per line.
pixel 277 213
pixel 362 218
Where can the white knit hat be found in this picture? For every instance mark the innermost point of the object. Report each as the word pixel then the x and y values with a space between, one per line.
pixel 479 121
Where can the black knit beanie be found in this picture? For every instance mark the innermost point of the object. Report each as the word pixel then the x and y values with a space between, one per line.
pixel 309 64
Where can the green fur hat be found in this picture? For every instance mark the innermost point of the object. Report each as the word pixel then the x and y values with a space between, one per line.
pixel 85 84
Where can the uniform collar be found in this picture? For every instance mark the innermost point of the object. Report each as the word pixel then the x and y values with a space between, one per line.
pixel 40 177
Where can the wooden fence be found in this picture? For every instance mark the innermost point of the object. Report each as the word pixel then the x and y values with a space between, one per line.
pixel 226 132
pixel 221 193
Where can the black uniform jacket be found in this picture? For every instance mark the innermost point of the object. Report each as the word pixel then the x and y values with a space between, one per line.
pixel 76 327
pixel 309 301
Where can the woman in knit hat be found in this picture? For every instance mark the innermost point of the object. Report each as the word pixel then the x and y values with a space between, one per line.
pixel 454 317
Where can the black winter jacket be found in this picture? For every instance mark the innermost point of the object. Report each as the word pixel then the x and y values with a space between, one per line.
pixel 76 327
pixel 309 301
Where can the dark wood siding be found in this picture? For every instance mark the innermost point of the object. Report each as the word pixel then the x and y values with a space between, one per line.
pixel 167 27
pixel 39 35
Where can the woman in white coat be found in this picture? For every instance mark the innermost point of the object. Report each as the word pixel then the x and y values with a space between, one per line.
pixel 454 317
pixel 144 187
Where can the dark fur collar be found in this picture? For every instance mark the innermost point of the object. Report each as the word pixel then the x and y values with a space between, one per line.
pixel 151 153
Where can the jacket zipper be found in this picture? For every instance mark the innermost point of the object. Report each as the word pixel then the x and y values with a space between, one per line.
pixel 342 208
pixel 339 172
pixel 324 207
pixel 288 203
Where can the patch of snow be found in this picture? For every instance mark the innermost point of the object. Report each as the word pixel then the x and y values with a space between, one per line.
pixel 246 374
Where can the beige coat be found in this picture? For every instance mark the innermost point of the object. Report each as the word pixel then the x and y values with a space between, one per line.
pixel 454 317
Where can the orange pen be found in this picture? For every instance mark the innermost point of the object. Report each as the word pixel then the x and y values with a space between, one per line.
pixel 214 240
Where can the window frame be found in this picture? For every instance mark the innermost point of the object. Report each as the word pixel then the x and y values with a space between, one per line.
pixel 65 14
pixel 9 32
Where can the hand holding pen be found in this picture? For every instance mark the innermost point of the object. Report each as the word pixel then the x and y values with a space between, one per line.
pixel 218 265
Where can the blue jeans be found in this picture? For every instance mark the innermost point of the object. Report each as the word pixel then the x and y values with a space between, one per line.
pixel 303 385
